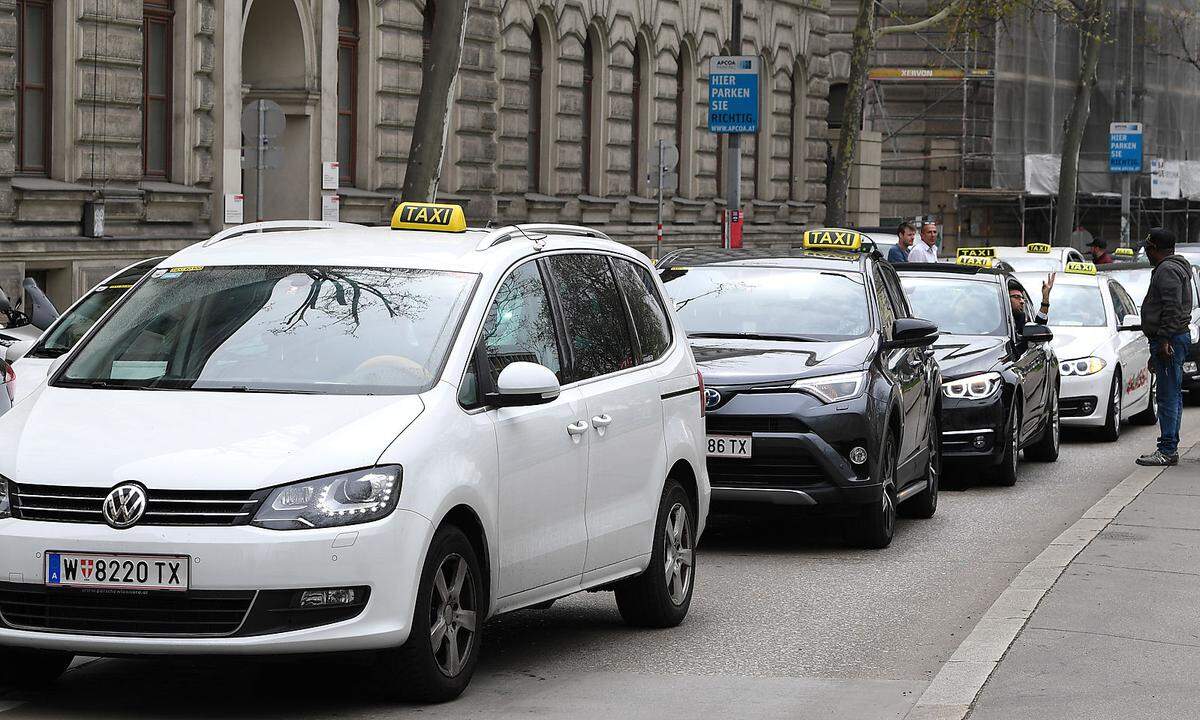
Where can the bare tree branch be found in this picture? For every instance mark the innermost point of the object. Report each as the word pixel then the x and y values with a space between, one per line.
pixel 920 24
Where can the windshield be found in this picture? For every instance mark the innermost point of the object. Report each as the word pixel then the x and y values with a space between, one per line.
pixel 1076 306
pixel 277 329
pixel 770 303
pixel 957 305
pixel 1028 263
pixel 63 336
pixel 1135 282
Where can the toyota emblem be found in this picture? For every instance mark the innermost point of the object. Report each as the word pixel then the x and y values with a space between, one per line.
pixel 125 505
pixel 712 398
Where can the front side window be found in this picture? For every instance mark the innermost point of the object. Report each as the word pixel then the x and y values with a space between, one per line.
pixel 76 323
pixel 594 315
pixel 649 317
pixel 321 330
pixel 957 305
pixel 770 302
pixel 33 86
pixel 156 88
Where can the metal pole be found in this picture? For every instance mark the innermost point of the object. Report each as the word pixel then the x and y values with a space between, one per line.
pixel 1127 178
pixel 662 147
pixel 733 167
pixel 259 165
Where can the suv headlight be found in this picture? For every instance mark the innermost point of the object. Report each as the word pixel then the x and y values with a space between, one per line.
pixel 346 499
pixel 1082 366
pixel 5 502
pixel 833 388
pixel 975 387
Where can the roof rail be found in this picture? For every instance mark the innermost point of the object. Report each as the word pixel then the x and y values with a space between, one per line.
pixel 509 232
pixel 276 225
pixel 671 255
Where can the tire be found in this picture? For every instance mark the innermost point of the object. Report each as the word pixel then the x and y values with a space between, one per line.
pixel 1047 446
pixel 1111 432
pixel 1006 472
pixel 660 596
pixel 425 668
pixel 923 505
pixel 875 524
pixel 31 669
pixel 1149 416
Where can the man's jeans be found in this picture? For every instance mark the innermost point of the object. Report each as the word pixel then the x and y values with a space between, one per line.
pixel 1169 374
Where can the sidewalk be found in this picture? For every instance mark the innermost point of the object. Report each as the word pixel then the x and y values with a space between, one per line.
pixel 1118 635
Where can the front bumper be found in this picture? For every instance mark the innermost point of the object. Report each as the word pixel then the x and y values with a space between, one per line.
pixel 385 557
pixel 1084 399
pixel 974 429
pixel 800 454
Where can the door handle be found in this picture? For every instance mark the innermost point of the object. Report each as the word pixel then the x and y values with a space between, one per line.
pixel 601 421
pixel 577 428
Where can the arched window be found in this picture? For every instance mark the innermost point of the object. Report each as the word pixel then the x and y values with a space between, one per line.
pixel 33 86
pixel 347 89
pixel 535 109
pixel 157 17
pixel 798 135
pixel 685 118
pixel 587 114
pixel 635 121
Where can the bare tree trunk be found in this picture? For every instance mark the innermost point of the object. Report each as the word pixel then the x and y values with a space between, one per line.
pixel 847 144
pixel 433 106
pixel 1068 173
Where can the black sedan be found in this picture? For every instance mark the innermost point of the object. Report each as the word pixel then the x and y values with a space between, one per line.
pixel 999 374
pixel 822 391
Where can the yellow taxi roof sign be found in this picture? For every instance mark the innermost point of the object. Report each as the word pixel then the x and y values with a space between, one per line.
pixel 832 239
pixel 1038 248
pixel 1080 268
pixel 1123 252
pixel 987 252
pixel 982 261
pixel 429 216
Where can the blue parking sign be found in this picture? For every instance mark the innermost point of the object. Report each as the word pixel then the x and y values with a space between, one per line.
pixel 1125 147
pixel 733 94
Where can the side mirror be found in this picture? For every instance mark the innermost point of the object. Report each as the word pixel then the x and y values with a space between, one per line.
pixel 1131 322
pixel 911 333
pixel 1036 334
pixel 522 384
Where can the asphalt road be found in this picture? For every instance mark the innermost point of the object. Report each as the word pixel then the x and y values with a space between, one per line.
pixel 786 623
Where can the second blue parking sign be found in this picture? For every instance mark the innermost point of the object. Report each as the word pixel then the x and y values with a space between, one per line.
pixel 733 94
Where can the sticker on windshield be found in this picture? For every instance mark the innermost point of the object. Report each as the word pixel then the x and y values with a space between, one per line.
pixel 187 268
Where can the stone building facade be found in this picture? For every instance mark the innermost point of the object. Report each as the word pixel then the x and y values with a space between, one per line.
pixel 134 106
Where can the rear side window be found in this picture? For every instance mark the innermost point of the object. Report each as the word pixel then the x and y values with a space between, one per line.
pixel 649 318
pixel 597 332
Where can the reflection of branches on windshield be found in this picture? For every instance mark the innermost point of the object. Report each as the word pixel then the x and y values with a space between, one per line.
pixel 717 290
pixel 346 301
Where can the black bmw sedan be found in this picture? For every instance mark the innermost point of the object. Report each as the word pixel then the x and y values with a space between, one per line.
pixel 822 390
pixel 999 373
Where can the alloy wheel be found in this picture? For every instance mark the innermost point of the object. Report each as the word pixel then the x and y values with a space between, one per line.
pixel 453 615
pixel 1054 424
pixel 1116 400
pixel 679 555
pixel 934 470
pixel 889 484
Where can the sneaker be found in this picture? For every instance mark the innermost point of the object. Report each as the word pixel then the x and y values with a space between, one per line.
pixel 1158 459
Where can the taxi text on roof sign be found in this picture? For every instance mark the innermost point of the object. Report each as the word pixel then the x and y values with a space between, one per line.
pixel 975 260
pixel 832 239
pixel 429 216
pixel 1038 248
pixel 1080 268
pixel 1123 252
pixel 985 252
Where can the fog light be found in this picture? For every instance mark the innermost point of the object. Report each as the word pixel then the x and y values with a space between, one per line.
pixel 324 598
pixel 858 455
pixel 980 442
pixel 1088 407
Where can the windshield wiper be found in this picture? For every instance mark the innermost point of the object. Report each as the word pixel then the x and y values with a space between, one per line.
pixel 753 336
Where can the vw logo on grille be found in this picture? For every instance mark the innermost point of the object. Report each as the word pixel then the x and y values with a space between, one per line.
pixel 712 398
pixel 125 505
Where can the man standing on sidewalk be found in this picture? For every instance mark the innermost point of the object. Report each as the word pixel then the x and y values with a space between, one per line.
pixel 925 251
pixel 1165 315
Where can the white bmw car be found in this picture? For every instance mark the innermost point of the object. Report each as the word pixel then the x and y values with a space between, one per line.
pixel 1101 349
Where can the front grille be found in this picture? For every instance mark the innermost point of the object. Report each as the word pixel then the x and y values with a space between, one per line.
pixel 743 424
pixel 123 612
pixel 53 503
pixel 1077 406
pixel 795 468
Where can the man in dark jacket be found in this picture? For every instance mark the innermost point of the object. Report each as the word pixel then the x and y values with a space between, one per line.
pixel 1166 313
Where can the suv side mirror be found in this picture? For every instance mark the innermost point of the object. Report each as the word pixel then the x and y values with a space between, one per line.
pixel 1131 322
pixel 1036 334
pixel 522 384
pixel 911 333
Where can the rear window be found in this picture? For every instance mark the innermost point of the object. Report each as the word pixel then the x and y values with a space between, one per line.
pixel 597 331
pixel 649 316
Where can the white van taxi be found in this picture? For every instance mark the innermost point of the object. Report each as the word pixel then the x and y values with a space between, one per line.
pixel 326 437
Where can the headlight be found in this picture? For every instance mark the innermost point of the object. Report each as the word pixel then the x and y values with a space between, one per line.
pixel 1082 366
pixel 347 499
pixel 833 388
pixel 5 503
pixel 976 387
